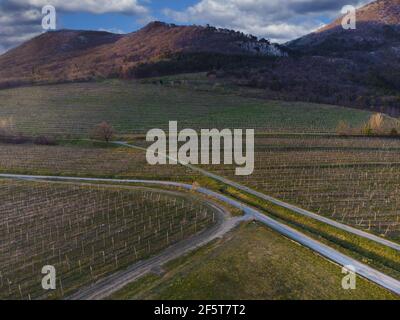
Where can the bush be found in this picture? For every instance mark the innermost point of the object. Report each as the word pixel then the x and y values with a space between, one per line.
pixel 14 139
pixel 343 128
pixel 8 134
pixel 44 141
pixel 367 130
pixel 376 123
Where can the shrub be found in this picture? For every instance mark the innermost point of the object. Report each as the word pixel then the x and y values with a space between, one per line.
pixel 6 127
pixel 376 123
pixel 367 130
pixel 14 139
pixel 44 141
pixel 344 128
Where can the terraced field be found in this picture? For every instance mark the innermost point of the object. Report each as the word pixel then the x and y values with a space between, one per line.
pixel 353 180
pixel 86 232
pixel 132 107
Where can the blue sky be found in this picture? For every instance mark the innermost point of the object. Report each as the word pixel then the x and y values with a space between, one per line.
pixel 121 22
pixel 277 20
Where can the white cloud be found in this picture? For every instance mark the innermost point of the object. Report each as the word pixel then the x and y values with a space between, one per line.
pixel 20 20
pixel 112 30
pixel 278 20
pixel 91 6
pixel 17 26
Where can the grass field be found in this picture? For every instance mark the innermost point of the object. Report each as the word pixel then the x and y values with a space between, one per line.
pixel 85 232
pixel 132 107
pixel 353 180
pixel 253 263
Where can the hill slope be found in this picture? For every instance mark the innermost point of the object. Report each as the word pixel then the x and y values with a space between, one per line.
pixel 377 29
pixel 49 55
pixel 357 68
pixel 79 55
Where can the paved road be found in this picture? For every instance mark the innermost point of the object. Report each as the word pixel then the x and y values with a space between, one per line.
pixel 322 249
pixel 293 208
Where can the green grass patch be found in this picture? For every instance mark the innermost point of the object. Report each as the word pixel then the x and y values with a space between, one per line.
pixel 252 262
pixel 379 256
pixel 84 143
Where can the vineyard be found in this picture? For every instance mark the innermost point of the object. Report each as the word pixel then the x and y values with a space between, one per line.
pixel 132 107
pixel 84 161
pixel 352 180
pixel 85 232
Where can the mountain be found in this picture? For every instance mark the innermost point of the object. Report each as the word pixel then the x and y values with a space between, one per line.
pixel 46 57
pixel 377 31
pixel 356 68
pixel 84 55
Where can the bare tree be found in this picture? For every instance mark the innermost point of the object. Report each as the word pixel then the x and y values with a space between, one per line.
pixel 103 131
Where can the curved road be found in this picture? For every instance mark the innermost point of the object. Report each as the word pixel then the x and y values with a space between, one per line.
pixel 280 203
pixel 111 284
pixel 322 249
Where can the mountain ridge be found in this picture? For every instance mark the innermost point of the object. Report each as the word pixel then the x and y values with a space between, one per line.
pixel 355 68
pixel 69 55
pixel 377 26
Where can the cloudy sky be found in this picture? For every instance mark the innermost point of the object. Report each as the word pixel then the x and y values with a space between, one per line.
pixel 278 20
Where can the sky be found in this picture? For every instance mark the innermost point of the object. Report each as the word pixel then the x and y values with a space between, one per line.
pixel 277 20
